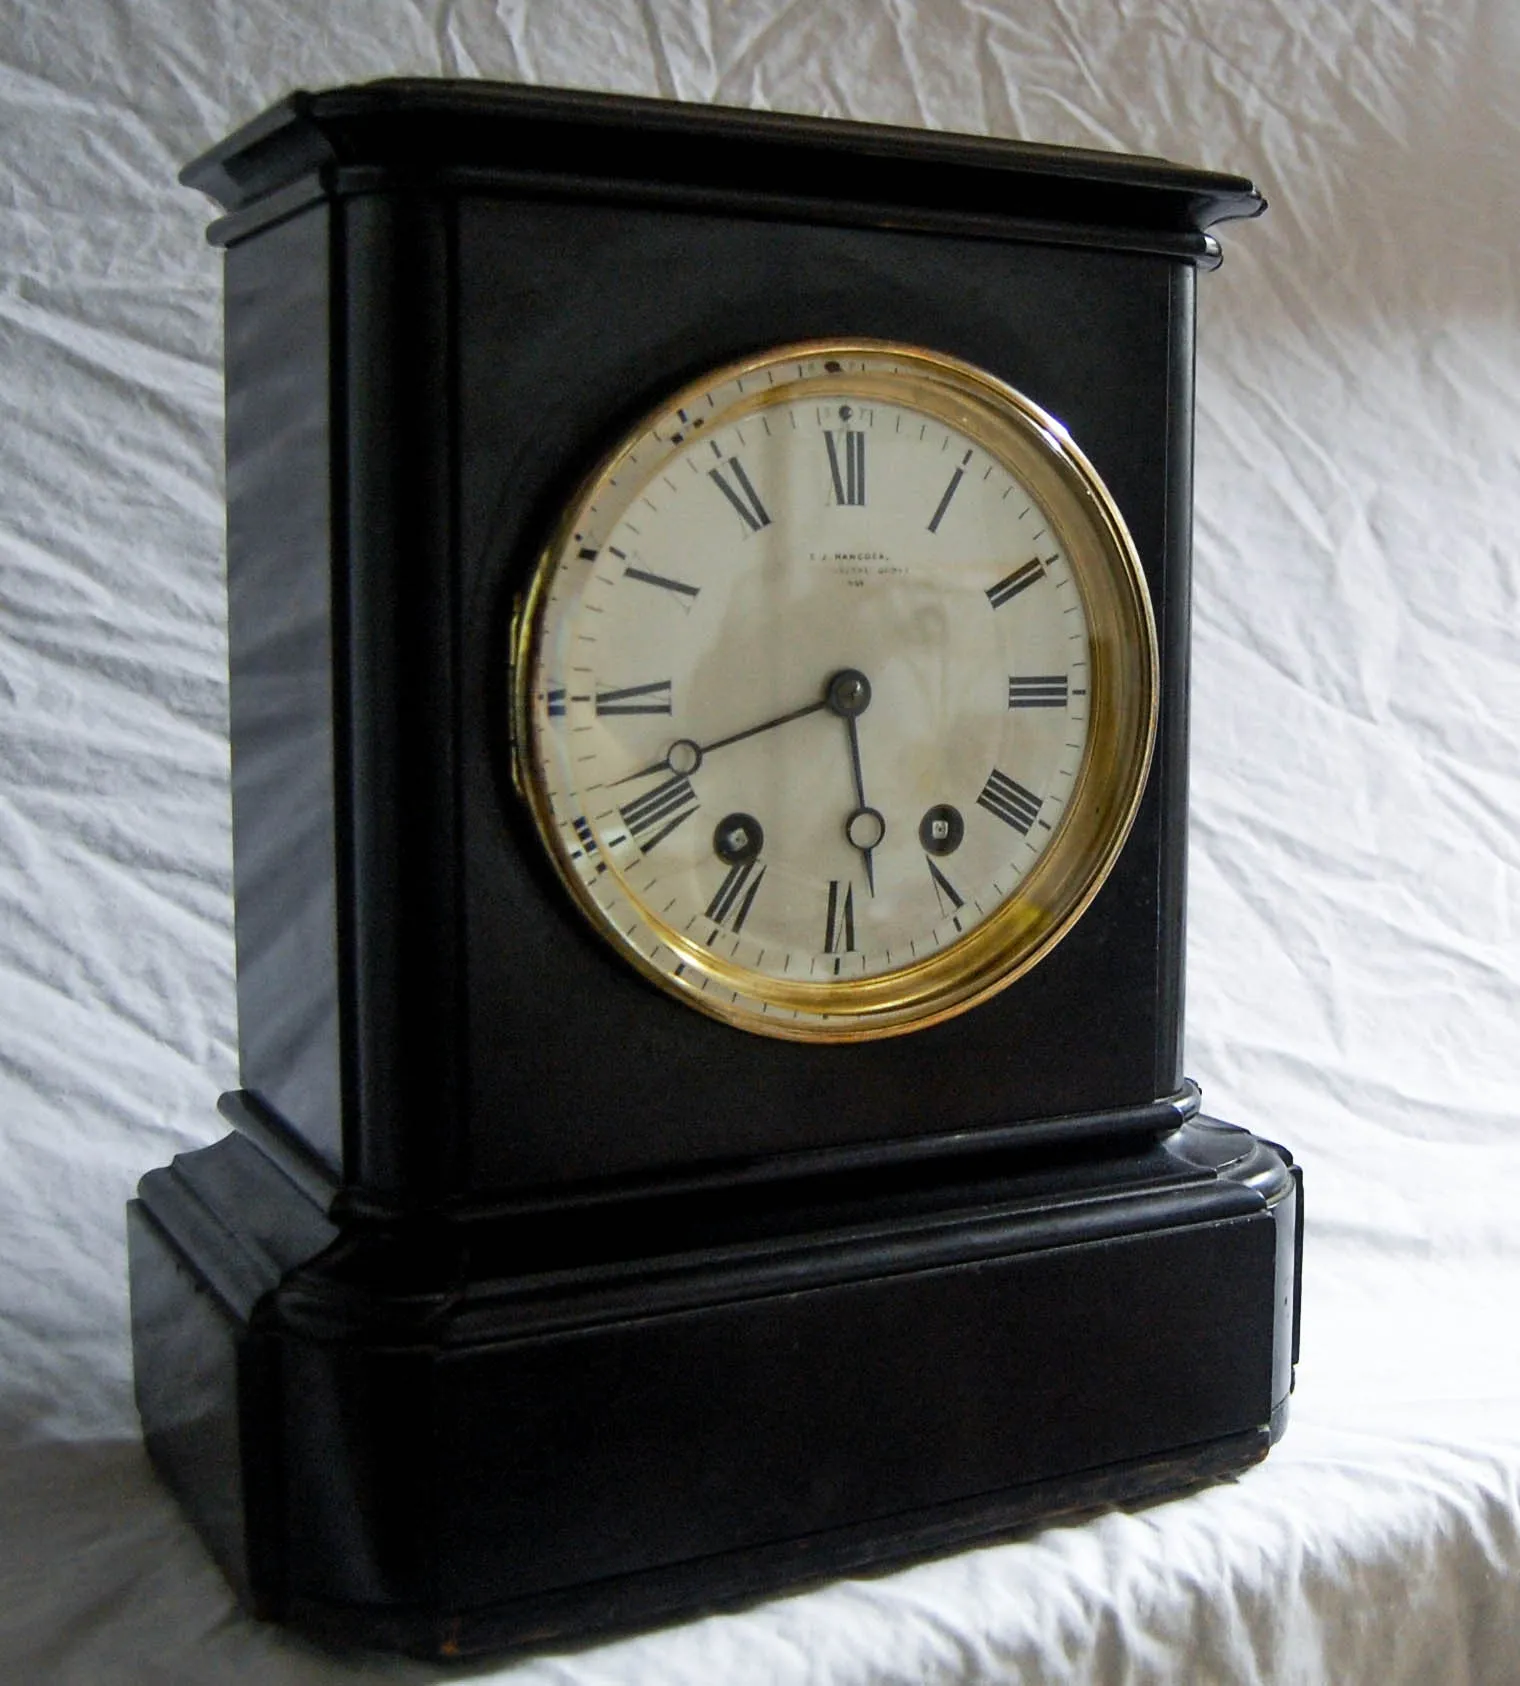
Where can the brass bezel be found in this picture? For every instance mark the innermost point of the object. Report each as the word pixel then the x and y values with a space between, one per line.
pixel 1124 681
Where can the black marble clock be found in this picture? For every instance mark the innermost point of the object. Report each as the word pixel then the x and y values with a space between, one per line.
pixel 709 634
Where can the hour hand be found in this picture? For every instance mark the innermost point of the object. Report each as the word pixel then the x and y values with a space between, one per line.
pixel 849 695
pixel 865 828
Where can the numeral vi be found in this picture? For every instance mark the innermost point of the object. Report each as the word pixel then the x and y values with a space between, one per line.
pixel 839 934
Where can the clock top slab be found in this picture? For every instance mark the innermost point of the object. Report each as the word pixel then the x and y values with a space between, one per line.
pixel 658 150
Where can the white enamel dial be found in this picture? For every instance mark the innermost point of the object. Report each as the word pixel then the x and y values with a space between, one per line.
pixel 806 687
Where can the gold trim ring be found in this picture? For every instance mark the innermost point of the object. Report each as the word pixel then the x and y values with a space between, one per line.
pixel 1124 682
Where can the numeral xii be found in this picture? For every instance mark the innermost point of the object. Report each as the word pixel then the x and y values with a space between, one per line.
pixel 847 465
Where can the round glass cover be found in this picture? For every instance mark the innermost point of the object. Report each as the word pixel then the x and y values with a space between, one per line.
pixel 835 690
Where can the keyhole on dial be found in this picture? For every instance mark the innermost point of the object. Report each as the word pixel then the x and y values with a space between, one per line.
pixel 941 829
pixel 738 838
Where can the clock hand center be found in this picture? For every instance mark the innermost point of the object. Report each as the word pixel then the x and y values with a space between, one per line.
pixel 865 828
pixel 848 693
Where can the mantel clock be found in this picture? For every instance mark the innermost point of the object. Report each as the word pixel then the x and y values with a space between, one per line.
pixel 708 634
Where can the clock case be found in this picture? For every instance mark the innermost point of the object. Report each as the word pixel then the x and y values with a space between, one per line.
pixel 524 1301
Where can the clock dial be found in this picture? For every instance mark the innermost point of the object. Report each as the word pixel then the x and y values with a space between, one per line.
pixel 835 690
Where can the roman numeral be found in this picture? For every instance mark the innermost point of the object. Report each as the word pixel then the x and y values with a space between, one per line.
pixel 944 502
pixel 1046 690
pixel 665 807
pixel 653 698
pixel 847 464
pixel 679 587
pixel 751 510
pixel 731 890
pixel 839 936
pixel 1012 804
pixel 555 698
pixel 1019 580
pixel 944 889
pixel 588 851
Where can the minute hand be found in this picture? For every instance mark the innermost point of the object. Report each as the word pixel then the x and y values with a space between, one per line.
pixel 695 751
pixel 849 696
pixel 766 725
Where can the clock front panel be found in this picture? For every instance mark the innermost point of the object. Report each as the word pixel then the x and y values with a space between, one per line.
pixel 748 775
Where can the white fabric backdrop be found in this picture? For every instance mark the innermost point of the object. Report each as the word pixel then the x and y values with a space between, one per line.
pixel 1355 913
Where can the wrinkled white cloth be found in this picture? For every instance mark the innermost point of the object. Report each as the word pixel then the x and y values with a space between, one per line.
pixel 1354 984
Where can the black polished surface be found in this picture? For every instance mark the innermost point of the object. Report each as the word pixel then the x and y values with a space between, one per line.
pixel 387 873
pixel 573 322
pixel 280 545
pixel 599 146
pixel 417 380
pixel 448 1435
pixel 527 1303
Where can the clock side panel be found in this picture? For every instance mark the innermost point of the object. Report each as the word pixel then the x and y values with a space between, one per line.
pixel 1174 632
pixel 572 321
pixel 280 654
